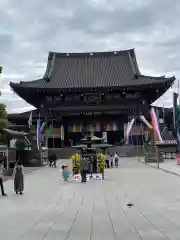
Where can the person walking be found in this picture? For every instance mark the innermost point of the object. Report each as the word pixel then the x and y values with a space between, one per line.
pixel 116 160
pixel 18 179
pixel 83 166
pixel 111 161
pixel 54 158
pixel 1 178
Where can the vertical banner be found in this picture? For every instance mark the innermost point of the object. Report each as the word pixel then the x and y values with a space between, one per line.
pixel 38 134
pixel 176 118
pixel 43 127
pixel 143 119
pixel 125 127
pixel 175 111
pixel 30 120
pixel 155 125
pixel 128 130
pixel 62 132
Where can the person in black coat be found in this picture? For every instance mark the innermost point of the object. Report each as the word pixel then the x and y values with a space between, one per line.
pixel 52 160
pixel 1 178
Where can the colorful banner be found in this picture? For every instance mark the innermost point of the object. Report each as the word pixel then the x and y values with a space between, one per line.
pixel 128 129
pixel 38 134
pixel 155 125
pixel 176 120
pixel 146 122
pixel 43 127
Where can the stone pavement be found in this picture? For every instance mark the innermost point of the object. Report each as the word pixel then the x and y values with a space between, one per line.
pixel 52 209
pixel 169 166
pixel 27 170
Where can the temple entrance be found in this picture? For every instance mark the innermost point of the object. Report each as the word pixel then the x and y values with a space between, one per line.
pixel 136 140
pixel 54 142
pixel 74 138
pixel 115 137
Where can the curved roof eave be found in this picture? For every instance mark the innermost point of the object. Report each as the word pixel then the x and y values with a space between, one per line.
pixel 85 54
pixel 42 83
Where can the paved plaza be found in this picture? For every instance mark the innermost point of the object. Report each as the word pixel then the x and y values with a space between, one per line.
pixel 169 165
pixel 51 209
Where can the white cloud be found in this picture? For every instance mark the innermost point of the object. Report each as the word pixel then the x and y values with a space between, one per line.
pixel 30 29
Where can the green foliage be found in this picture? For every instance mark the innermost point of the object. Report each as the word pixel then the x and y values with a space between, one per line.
pixel 3 117
pixel 101 162
pixel 3 121
pixel 1 69
pixel 3 113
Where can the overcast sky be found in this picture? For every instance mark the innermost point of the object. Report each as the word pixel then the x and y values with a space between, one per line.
pixel 30 29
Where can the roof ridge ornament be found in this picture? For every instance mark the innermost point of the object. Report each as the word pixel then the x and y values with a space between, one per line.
pixel 131 62
pixel 50 66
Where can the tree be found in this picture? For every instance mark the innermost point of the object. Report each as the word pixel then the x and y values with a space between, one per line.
pixel 3 121
pixel 1 69
pixel 3 116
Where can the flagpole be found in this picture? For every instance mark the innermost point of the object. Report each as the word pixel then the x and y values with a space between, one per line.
pixel 178 93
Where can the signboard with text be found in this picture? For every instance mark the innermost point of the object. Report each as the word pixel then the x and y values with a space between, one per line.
pixel 89 177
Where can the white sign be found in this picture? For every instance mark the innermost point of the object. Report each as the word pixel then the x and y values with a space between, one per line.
pixel 89 177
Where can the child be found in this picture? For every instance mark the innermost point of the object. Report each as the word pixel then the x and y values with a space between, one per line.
pixel 18 179
pixel 65 172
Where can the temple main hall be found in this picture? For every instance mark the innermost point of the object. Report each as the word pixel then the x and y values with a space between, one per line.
pixel 96 92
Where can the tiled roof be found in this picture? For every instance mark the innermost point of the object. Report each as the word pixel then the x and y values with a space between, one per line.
pixel 84 70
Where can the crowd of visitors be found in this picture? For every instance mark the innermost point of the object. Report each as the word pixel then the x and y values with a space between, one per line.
pixel 84 168
pixel 90 165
